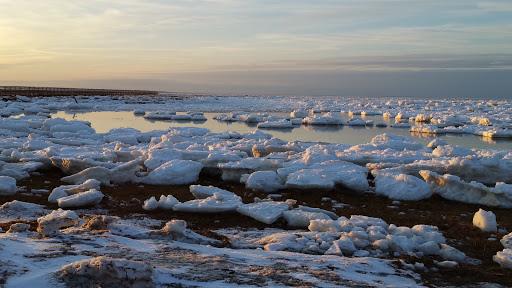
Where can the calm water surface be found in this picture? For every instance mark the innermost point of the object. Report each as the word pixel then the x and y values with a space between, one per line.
pixel 104 121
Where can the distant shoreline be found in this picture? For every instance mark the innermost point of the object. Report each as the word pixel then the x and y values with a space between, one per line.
pixel 44 91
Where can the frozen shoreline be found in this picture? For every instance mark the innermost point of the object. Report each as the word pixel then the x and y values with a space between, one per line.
pixel 389 165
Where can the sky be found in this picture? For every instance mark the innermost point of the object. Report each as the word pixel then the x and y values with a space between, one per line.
pixel 423 48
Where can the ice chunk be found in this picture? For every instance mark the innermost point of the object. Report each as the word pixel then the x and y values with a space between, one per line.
pixel 66 190
pixel 277 124
pixel 321 225
pixel 18 228
pixel 167 202
pixel 453 188
pixel 343 246
pixel 125 172
pixel 436 142
pixel 451 151
pixel 266 181
pixel 506 241
pixel 504 258
pixel 267 212
pixel 309 179
pixel 201 192
pixel 326 174
pixel 73 166
pixel 174 172
pixel 50 224
pixel 301 218
pixel 7 185
pixel 177 230
pixel 450 253
pixel 325 119
pixel 101 174
pixel 157 157
pixel 19 210
pixel 87 198
pixel 213 204
pixel 356 122
pixel 232 171
pixel 366 221
pixel 299 113
pixel 150 204
pixel 401 186
pixel 107 272
pixel 447 264
pixel 318 210
pixel 391 141
pixel 485 220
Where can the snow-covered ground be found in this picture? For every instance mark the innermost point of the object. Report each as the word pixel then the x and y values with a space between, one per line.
pixel 42 246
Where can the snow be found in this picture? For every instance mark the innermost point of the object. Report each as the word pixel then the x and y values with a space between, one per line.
pixel 485 220
pixel 7 186
pixel 266 212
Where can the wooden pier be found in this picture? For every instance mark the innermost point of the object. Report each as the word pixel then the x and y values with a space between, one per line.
pixel 12 91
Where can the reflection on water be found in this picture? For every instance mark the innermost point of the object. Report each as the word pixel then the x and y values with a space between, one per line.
pixel 104 121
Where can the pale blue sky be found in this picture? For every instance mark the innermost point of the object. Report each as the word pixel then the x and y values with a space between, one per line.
pixel 261 47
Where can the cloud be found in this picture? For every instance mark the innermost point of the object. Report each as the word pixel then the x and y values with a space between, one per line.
pixel 130 39
pixel 495 6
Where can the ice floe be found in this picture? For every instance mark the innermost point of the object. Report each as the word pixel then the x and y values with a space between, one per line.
pixel 174 172
pixel 88 198
pixel 453 188
pixel 266 211
pixel 401 186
